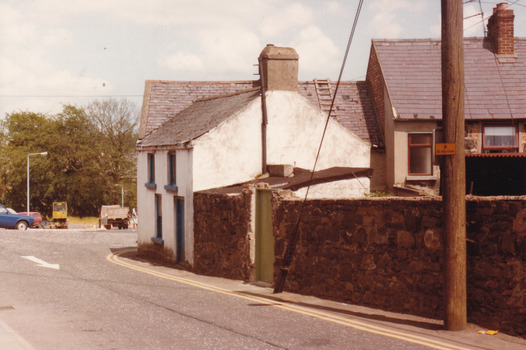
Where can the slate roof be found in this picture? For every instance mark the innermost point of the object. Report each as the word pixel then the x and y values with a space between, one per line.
pixel 164 99
pixel 199 118
pixel 495 88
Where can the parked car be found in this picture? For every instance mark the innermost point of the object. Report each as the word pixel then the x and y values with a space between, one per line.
pixel 35 214
pixel 10 220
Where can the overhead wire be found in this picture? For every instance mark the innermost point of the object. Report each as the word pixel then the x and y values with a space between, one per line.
pixel 291 243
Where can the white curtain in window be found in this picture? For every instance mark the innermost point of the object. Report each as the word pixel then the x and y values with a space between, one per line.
pixel 499 136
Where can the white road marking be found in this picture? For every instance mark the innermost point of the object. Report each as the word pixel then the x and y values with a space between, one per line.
pixel 42 263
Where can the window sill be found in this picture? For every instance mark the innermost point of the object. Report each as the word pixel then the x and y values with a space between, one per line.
pixel 158 240
pixel 151 185
pixel 421 178
pixel 172 188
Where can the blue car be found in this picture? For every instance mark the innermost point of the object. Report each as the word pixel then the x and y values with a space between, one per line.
pixel 10 220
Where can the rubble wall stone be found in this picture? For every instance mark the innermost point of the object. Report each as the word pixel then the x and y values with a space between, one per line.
pixel 387 254
pixel 221 240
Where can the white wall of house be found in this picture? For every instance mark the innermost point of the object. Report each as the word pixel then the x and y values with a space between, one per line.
pixel 231 152
pixel 350 188
pixel 146 203
pixel 295 129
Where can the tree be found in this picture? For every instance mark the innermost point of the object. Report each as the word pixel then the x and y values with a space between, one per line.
pixel 90 149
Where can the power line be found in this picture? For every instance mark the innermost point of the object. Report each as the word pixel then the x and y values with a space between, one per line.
pixel 293 237
pixel 68 96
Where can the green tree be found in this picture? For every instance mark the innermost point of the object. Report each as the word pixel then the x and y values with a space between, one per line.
pixel 90 149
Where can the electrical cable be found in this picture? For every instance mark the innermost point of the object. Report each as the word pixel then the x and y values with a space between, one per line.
pixel 291 243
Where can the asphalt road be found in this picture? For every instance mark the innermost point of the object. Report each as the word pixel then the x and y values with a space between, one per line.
pixel 80 289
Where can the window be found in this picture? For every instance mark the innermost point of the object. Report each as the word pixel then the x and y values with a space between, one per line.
pixel 151 171
pixel 172 166
pixel 499 138
pixel 420 154
pixel 158 220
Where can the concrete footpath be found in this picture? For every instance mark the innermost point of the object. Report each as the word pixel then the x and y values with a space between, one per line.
pixel 10 340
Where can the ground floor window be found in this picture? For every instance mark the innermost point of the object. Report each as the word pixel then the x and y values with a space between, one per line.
pixel 159 216
pixel 420 154
pixel 499 138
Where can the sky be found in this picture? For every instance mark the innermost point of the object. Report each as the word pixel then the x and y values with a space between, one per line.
pixel 57 52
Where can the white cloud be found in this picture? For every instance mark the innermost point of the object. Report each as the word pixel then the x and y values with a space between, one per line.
pixel 182 61
pixel 317 53
pixel 388 17
pixel 293 16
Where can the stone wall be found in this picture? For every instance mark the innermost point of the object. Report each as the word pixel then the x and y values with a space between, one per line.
pixel 387 254
pixel 380 252
pixel 222 242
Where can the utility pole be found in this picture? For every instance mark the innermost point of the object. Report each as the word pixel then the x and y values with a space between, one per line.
pixel 453 166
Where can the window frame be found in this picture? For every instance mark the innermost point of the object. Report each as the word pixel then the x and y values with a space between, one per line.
pixel 171 160
pixel 151 171
pixel 411 146
pixel 499 149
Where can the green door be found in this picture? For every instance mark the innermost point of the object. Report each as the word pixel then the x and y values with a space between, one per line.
pixel 264 236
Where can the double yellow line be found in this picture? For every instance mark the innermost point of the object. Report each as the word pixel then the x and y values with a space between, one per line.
pixel 432 343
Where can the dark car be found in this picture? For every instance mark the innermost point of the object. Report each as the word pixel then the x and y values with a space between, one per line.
pixel 10 220
pixel 35 214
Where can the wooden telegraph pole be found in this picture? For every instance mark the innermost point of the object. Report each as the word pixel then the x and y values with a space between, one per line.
pixel 453 166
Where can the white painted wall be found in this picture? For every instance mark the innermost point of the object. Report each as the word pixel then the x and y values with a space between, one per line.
pixel 146 199
pixel 295 130
pixel 350 188
pixel 230 153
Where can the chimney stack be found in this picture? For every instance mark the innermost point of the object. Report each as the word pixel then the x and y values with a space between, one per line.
pixel 500 30
pixel 279 68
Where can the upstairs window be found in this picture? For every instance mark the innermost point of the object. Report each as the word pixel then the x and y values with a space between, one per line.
pixel 500 138
pixel 171 168
pixel 420 154
pixel 151 171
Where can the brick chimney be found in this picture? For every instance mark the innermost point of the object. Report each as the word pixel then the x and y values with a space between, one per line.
pixel 500 30
pixel 279 68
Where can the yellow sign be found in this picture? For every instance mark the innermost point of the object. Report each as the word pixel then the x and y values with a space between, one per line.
pixel 445 149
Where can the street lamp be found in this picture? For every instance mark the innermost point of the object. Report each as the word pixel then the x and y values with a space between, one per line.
pixel 31 154
pixel 122 194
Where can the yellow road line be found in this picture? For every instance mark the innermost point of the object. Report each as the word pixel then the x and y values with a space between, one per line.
pixel 114 258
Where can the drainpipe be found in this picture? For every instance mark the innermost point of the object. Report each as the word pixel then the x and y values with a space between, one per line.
pixel 264 120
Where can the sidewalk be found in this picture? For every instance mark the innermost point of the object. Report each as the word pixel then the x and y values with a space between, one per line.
pixel 9 339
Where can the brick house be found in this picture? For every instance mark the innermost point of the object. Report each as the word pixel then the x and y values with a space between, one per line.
pixel 404 77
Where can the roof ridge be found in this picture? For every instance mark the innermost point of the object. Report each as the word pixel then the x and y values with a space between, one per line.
pixel 208 98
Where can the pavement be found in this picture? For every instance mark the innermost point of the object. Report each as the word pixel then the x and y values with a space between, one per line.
pixel 402 326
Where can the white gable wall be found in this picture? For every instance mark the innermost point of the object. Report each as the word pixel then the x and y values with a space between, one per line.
pixel 231 152
pixel 294 133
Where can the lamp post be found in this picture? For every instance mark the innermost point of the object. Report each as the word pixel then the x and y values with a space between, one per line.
pixel 31 154
pixel 122 194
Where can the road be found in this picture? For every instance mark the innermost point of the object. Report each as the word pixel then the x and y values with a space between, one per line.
pixel 81 289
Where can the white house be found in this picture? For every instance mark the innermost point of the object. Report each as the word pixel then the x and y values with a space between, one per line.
pixel 230 139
